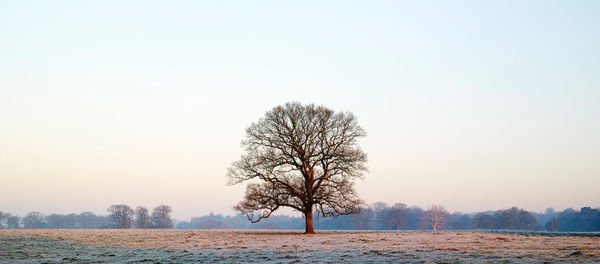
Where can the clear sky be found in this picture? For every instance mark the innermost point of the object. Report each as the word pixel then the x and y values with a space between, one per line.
pixel 475 105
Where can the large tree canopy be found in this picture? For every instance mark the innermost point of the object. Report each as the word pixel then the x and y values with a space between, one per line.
pixel 300 156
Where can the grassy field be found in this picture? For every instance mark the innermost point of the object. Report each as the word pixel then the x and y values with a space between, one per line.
pixel 241 246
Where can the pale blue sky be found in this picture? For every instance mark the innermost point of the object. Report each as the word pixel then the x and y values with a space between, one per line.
pixel 474 105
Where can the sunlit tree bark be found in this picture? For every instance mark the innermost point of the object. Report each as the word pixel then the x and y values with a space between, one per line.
pixel 435 217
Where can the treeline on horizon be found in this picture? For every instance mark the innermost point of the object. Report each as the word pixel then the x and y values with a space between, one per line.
pixel 378 216
pixel 120 216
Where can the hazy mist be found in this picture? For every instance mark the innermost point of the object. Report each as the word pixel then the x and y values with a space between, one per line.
pixel 473 105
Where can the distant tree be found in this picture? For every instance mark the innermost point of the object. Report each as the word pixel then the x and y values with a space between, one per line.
pixel 552 224
pixel 88 220
pixel 71 221
pixel 329 223
pixel 458 221
pixel 56 221
pixel 435 217
pixel 568 220
pixel 33 220
pixel 506 219
pixel 103 221
pixel 210 223
pixel 514 219
pixel 395 217
pixel 483 221
pixel 142 219
pixel 306 158
pixel 13 222
pixel 415 215
pixel 588 219
pixel 160 217
pixel 526 221
pixel 121 216
pixel 3 217
pixel 362 220
pixel 546 216
pixel 378 209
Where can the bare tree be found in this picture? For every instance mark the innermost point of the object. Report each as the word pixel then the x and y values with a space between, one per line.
pixel 13 222
pixel 161 218
pixel 142 219
pixel 378 209
pixel 395 217
pixel 483 221
pixel 121 216
pixel 2 217
pixel 56 221
pixel 435 217
pixel 34 220
pixel 552 224
pixel 210 224
pixel 71 221
pixel 304 157
pixel 88 220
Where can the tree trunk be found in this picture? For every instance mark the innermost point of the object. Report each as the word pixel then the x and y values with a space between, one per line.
pixel 309 222
pixel 434 227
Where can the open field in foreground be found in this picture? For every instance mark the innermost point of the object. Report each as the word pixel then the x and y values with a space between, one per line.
pixel 241 246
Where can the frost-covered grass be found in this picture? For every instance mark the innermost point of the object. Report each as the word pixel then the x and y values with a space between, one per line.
pixel 240 246
pixel 541 233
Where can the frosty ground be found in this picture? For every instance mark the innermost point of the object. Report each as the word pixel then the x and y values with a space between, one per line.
pixel 241 246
